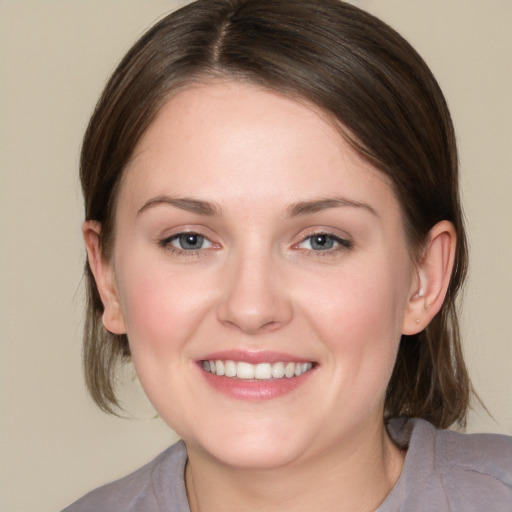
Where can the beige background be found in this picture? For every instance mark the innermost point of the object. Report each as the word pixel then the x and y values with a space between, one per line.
pixel 54 59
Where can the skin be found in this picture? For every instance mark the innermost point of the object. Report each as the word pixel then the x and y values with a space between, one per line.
pixel 257 284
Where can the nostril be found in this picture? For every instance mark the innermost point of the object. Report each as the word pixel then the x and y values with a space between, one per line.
pixel 252 299
pixel 251 325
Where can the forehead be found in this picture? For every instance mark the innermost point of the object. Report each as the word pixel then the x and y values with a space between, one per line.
pixel 208 138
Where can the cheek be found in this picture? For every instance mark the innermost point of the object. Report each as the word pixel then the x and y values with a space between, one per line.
pixel 165 312
pixel 161 306
pixel 359 301
pixel 358 315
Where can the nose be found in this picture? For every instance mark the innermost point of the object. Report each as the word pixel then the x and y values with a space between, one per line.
pixel 254 298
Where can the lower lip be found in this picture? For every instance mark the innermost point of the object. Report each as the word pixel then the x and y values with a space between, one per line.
pixel 256 390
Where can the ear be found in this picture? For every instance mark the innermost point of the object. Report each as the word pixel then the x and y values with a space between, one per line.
pixel 103 272
pixel 433 274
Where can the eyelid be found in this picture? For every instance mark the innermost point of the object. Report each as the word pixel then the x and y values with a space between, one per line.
pixel 165 242
pixel 342 242
pixel 177 237
pixel 197 229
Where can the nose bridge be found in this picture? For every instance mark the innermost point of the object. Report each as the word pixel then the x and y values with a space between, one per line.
pixel 253 298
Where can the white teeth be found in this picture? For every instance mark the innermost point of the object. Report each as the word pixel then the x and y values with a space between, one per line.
pixel 261 371
pixel 278 370
pixel 230 369
pixel 289 370
pixel 244 370
pixel 219 367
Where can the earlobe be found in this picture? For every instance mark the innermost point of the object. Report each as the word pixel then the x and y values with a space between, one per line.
pixel 433 278
pixel 103 272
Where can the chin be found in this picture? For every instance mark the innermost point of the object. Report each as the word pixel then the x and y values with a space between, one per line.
pixel 252 448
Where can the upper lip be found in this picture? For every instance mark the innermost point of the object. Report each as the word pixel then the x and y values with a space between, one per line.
pixel 254 357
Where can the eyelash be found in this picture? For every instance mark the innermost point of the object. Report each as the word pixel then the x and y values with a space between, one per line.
pixel 340 244
pixel 166 244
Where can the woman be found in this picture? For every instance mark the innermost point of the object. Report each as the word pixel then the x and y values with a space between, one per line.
pixel 275 240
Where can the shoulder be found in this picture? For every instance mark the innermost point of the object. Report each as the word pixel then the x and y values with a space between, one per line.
pixel 453 471
pixel 154 487
pixel 487 455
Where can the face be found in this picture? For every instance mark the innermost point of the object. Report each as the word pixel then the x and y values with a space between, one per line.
pixel 251 235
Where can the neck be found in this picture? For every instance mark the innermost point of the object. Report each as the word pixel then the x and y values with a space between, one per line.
pixel 352 477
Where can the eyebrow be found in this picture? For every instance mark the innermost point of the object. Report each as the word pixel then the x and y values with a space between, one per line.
pixel 317 205
pixel 294 210
pixel 184 203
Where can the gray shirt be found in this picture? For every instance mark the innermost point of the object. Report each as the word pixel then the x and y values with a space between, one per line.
pixel 443 471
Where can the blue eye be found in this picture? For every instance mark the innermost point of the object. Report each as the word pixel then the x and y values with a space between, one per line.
pixel 187 242
pixel 323 242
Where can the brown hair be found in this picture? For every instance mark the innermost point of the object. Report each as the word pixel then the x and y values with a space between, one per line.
pixel 352 66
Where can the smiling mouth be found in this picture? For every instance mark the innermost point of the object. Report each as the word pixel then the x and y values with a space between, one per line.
pixel 260 371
